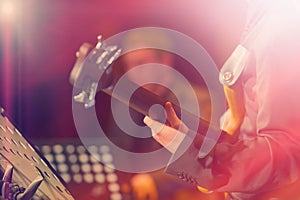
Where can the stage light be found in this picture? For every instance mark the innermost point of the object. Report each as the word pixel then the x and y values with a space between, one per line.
pixel 7 9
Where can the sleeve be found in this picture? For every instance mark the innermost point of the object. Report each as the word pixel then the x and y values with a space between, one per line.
pixel 234 66
pixel 271 158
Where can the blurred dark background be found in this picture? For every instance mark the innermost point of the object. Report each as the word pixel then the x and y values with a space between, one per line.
pixel 39 39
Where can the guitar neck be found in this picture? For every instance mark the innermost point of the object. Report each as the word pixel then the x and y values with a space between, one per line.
pixel 143 99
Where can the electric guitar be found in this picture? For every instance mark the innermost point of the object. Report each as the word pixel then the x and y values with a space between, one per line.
pixel 91 63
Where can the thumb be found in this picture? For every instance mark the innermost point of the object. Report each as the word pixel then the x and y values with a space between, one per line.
pixel 155 126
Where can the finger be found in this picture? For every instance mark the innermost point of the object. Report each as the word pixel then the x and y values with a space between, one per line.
pixel 148 121
pixel 172 116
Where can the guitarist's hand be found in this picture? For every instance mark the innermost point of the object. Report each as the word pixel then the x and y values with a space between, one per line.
pixel 168 136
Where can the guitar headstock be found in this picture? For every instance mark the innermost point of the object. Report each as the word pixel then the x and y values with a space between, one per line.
pixel 91 65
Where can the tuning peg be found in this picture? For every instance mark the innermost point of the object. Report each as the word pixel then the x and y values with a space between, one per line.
pixel 111 48
pixel 81 97
pixel 99 44
pixel 114 57
pixel 101 57
pixel 87 97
